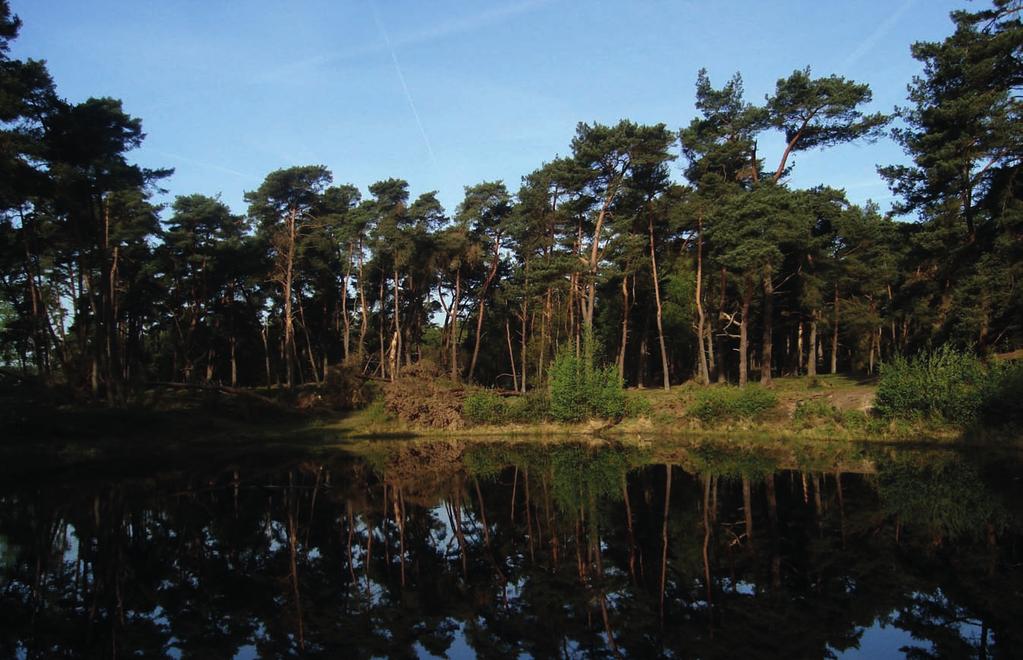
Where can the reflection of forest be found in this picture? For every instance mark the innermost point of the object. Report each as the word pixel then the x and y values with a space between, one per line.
pixel 512 549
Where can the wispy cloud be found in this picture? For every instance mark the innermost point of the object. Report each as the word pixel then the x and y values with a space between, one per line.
pixel 203 164
pixel 879 33
pixel 404 85
pixel 435 32
pixel 463 24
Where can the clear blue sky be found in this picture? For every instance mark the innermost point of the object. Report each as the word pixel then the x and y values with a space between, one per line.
pixel 450 93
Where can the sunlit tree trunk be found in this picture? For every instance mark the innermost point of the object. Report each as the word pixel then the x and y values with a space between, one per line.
pixel 455 374
pixel 700 316
pixel 657 299
pixel 625 327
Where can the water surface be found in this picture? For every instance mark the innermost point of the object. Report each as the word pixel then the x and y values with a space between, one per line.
pixel 508 550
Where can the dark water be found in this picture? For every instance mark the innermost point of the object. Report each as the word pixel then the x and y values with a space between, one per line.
pixel 525 550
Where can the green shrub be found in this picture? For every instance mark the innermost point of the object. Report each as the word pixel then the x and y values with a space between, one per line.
pixel 531 408
pixel 485 407
pixel 579 390
pixel 637 405
pixel 815 409
pixel 856 420
pixel 715 404
pixel 1002 394
pixel 945 385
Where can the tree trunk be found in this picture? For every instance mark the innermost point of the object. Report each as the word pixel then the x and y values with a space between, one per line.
pixel 289 340
pixel 700 316
pixel 522 346
pixel 590 292
pixel 308 342
pixel 657 300
pixel 380 329
pixel 811 355
pixel 511 355
pixel 799 349
pixel 481 306
pixel 396 340
pixel 768 341
pixel 641 367
pixel 747 298
pixel 364 320
pixel 834 337
pixel 722 342
pixel 234 361
pixel 625 327
pixel 346 337
pixel 455 376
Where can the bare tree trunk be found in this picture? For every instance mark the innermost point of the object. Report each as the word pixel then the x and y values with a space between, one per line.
pixel 546 320
pixel 511 355
pixel 522 346
pixel 811 356
pixel 834 337
pixel 396 339
pixel 234 361
pixel 308 341
pixel 364 319
pixel 481 306
pixel 799 349
pixel 641 367
pixel 722 336
pixel 657 299
pixel 747 297
pixel 700 316
pixel 346 337
pixel 768 341
pixel 712 366
pixel 380 329
pixel 590 292
pixel 455 375
pixel 625 327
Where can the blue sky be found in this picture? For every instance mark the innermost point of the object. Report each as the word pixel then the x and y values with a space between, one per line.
pixel 447 94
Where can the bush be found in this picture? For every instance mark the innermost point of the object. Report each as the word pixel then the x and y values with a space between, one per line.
pixel 811 410
pixel 715 404
pixel 945 385
pixel 530 408
pixel 637 405
pixel 485 407
pixel 579 390
pixel 1002 394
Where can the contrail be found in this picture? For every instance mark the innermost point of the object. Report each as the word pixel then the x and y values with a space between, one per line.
pixel 404 85
pixel 877 34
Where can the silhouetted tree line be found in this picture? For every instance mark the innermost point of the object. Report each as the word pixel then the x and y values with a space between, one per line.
pixel 728 273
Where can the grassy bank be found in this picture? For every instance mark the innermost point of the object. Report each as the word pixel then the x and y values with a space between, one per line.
pixel 827 407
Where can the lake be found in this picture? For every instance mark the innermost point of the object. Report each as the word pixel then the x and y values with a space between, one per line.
pixel 518 549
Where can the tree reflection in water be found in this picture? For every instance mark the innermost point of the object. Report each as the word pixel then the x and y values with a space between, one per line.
pixel 405 549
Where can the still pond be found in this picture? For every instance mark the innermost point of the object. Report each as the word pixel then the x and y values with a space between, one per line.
pixel 519 549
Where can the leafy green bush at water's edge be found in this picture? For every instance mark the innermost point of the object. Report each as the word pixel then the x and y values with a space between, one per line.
pixel 951 386
pixel 580 390
pixel 944 384
pixel 485 407
pixel 718 404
